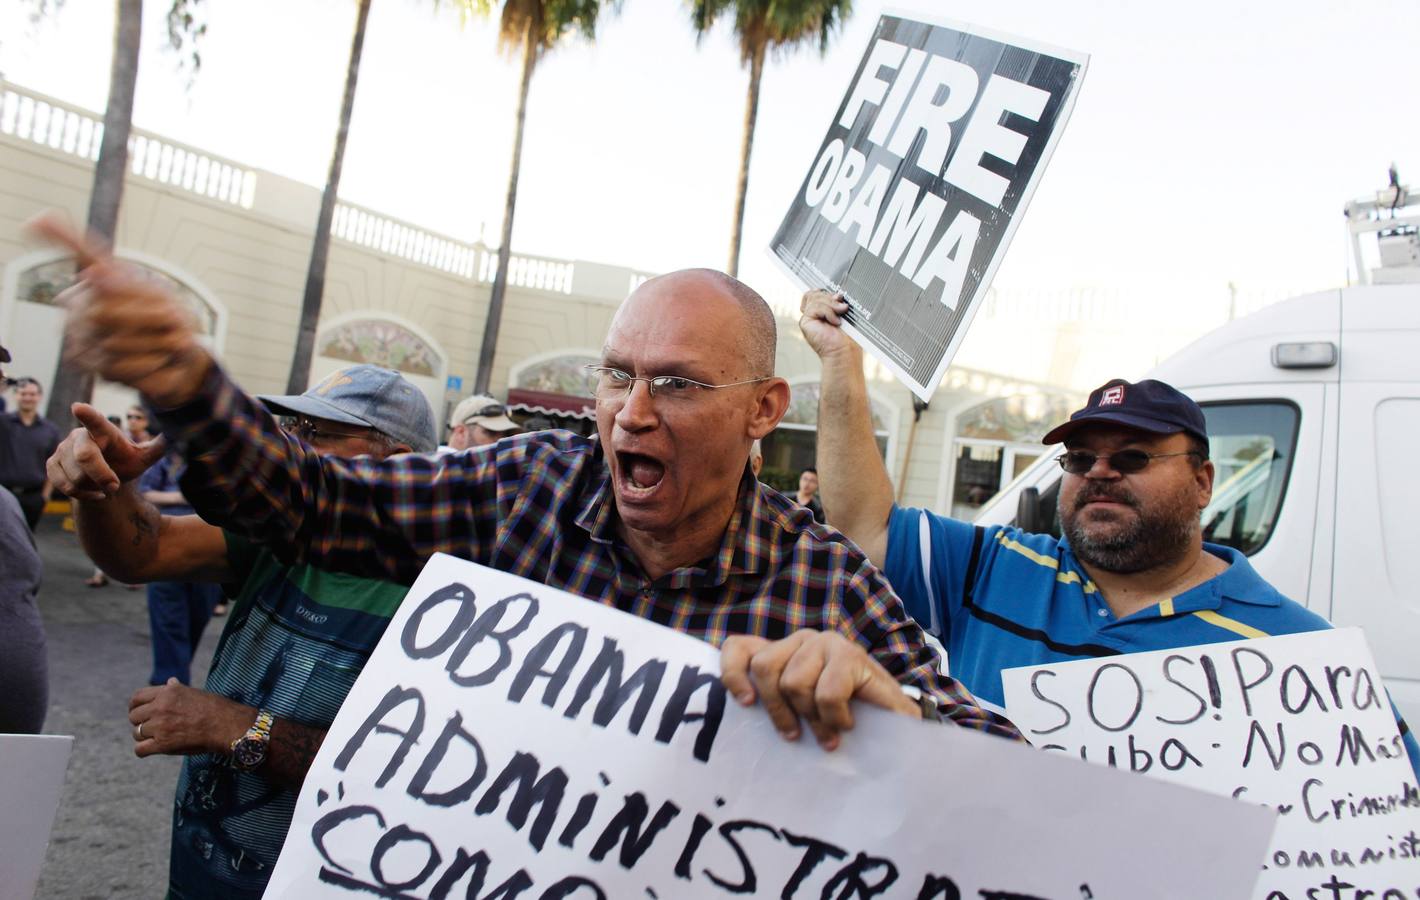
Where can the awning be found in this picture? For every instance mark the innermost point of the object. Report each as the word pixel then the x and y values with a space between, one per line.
pixel 549 403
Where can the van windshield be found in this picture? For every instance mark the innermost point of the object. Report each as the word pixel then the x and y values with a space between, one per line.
pixel 1251 444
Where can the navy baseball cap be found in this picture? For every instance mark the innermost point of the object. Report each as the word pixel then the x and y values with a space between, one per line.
pixel 368 395
pixel 1147 405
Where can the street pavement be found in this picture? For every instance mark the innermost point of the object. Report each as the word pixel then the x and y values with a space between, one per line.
pixel 110 838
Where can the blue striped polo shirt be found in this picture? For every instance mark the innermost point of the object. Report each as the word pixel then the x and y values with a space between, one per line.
pixel 997 598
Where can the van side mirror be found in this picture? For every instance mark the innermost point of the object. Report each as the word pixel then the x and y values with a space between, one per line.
pixel 1028 511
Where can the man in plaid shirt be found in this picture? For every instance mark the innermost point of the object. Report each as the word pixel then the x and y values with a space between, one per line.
pixel 658 515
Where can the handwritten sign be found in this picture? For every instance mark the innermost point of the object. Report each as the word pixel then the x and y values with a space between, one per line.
pixel 32 770
pixel 508 740
pixel 919 184
pixel 1299 723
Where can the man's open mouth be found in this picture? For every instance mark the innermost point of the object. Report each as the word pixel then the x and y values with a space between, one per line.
pixel 639 474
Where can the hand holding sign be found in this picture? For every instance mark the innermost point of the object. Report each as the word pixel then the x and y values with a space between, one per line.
pixel 821 324
pixel 125 327
pixel 919 183
pixel 810 674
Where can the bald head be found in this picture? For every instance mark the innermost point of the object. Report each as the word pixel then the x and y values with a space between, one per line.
pixel 757 338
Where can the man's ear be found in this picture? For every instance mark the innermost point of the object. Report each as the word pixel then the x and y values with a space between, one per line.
pixel 771 403
pixel 1204 476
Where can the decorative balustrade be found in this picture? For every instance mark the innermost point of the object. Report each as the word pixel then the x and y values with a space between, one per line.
pixel 67 129
pixel 31 116
pixel 478 262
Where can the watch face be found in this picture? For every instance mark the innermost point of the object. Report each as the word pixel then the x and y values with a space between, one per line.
pixel 249 753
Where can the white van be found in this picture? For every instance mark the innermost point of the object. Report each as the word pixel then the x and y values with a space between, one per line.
pixel 1313 409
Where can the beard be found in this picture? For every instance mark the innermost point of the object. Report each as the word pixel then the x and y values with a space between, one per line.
pixel 1152 537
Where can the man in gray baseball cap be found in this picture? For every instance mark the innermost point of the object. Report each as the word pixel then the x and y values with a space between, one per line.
pixel 296 638
pixel 379 400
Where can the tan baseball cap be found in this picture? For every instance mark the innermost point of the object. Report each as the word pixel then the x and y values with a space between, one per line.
pixel 482 409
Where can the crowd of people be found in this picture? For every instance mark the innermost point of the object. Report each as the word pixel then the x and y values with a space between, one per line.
pixel 314 512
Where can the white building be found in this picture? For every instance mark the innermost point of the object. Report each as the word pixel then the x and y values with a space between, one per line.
pixel 235 241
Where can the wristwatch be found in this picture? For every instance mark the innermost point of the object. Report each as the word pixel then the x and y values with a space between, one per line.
pixel 249 750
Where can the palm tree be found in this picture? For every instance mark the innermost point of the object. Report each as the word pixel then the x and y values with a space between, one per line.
pixel 763 25
pixel 530 28
pixel 320 249
pixel 71 384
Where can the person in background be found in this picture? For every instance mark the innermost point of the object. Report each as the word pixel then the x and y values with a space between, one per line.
pixel 24 661
pixel 756 458
pixel 808 493
pixel 297 638
pixel 479 420
pixel 26 441
pixel 1132 573
pixel 135 424
pixel 178 611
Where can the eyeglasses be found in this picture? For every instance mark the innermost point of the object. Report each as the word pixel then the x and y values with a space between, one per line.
pixel 134 416
pixel 606 383
pixel 1125 462
pixel 310 431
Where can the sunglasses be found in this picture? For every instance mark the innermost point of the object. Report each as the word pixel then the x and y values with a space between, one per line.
pixel 309 431
pixel 1125 462
pixel 497 409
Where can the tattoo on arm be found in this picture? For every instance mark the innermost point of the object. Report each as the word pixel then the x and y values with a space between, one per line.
pixel 141 527
pixel 293 748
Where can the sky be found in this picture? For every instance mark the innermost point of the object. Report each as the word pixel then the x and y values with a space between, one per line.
pixel 1212 142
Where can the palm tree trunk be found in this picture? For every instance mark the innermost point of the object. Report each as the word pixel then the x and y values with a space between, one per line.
pixel 500 279
pixel 300 373
pixel 756 70
pixel 72 385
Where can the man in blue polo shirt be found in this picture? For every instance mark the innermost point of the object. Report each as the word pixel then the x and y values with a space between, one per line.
pixel 1132 573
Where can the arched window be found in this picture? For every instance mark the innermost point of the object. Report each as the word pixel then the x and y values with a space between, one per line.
pixel 552 392
pixel 381 342
pixel 28 307
pixel 791 448
pixel 997 440
pixel 1022 418
pixel 559 375
pixel 43 283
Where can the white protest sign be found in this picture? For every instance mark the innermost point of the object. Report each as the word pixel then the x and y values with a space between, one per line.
pixel 1299 723
pixel 921 180
pixel 32 770
pixel 509 740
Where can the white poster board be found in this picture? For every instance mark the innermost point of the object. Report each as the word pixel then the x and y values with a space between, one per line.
pixel 1299 723
pixel 32 770
pixel 921 180
pixel 483 747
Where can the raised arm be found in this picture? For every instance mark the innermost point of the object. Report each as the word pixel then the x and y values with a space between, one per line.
pixel 124 534
pixel 379 519
pixel 853 482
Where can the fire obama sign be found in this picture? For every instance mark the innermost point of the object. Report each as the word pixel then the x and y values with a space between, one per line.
pixel 920 181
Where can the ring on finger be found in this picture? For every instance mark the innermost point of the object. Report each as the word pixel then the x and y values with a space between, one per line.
pixel 138 731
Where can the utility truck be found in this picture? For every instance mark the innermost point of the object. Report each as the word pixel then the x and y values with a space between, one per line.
pixel 1313 409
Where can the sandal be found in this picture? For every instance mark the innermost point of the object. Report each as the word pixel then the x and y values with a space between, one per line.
pixel 97 580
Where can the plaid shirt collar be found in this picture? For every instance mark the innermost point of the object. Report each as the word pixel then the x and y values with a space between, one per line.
pixel 744 548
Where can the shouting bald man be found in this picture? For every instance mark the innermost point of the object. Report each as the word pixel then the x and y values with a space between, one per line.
pixel 658 515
